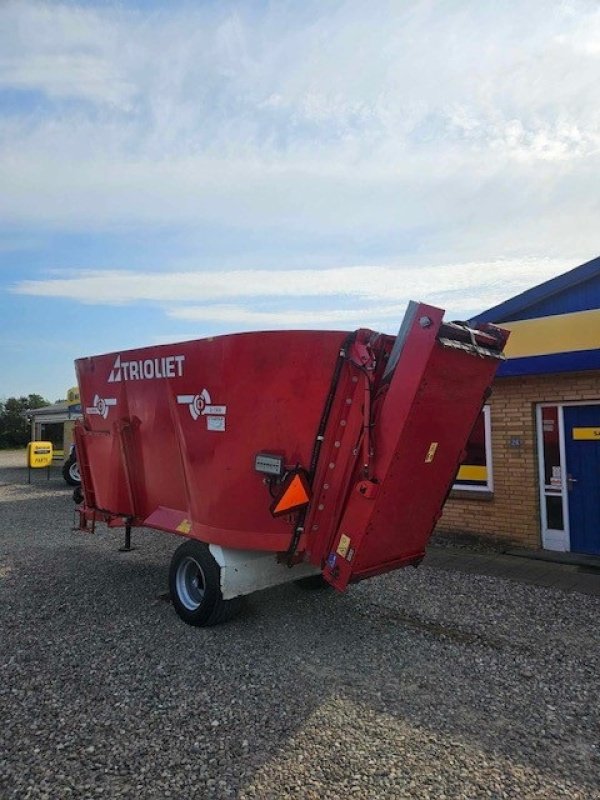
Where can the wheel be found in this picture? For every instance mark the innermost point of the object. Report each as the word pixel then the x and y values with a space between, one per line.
pixel 313 583
pixel 195 586
pixel 78 495
pixel 70 472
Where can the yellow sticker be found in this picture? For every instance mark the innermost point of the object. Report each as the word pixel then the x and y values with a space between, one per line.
pixel 589 434
pixel 431 452
pixel 185 526
pixel 343 546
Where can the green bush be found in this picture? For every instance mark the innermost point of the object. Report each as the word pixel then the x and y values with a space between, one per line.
pixel 14 425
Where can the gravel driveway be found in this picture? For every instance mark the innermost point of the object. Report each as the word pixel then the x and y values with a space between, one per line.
pixel 418 684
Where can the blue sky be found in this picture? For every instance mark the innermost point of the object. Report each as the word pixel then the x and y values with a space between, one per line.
pixel 175 170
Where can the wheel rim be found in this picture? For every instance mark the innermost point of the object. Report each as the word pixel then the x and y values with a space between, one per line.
pixel 74 471
pixel 189 582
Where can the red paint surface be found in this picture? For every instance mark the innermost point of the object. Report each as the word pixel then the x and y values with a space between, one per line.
pixel 162 462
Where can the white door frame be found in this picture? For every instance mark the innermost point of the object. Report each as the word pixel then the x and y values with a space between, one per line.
pixel 554 539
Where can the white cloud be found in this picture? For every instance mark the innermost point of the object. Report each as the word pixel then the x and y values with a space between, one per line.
pixel 239 315
pixel 64 76
pixel 460 125
pixel 64 52
pixel 343 296
pixel 306 136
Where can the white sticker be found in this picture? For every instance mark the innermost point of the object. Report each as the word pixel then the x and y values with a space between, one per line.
pixel 215 410
pixel 215 423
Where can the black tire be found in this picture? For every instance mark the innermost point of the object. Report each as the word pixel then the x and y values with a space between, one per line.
pixel 195 587
pixel 70 472
pixel 313 583
pixel 78 495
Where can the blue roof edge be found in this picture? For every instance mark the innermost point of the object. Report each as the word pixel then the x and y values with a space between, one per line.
pixel 573 361
pixel 504 311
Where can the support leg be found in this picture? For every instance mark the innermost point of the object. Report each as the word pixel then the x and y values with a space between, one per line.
pixel 127 545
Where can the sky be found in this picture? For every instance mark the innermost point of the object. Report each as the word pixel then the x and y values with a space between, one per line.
pixel 173 170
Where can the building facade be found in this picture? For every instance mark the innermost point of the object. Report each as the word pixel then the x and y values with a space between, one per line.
pixel 55 423
pixel 532 473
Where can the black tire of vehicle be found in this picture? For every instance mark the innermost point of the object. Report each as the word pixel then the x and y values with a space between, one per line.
pixel 313 583
pixel 78 495
pixel 195 587
pixel 67 472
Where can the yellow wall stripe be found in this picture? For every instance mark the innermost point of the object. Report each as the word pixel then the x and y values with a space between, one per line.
pixel 563 333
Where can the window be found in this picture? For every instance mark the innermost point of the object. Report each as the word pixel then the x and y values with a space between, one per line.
pixel 475 473
pixel 52 432
pixel 552 470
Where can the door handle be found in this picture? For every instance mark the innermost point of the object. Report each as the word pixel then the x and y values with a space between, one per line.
pixel 570 481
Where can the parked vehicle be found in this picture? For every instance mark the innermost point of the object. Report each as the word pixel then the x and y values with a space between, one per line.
pixel 285 454
pixel 70 468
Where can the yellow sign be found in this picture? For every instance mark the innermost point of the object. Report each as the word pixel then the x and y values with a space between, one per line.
pixel 591 434
pixel 39 454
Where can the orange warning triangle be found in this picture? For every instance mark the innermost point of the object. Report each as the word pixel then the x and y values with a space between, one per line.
pixel 294 495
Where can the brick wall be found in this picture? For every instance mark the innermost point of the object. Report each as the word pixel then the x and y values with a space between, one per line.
pixel 511 513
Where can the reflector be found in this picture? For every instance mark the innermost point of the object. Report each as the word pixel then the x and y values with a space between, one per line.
pixel 295 493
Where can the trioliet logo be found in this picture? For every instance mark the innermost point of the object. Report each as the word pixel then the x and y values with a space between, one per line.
pixel 147 369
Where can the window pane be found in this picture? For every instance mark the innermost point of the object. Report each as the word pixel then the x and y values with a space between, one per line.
pixel 552 475
pixel 474 471
pixel 554 512
pixel 552 469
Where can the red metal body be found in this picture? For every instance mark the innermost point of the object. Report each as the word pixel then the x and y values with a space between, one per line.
pixel 377 424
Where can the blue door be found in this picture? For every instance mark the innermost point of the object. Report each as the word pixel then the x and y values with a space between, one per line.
pixel 582 447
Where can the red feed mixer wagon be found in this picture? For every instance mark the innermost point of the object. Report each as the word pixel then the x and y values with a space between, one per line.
pixel 282 455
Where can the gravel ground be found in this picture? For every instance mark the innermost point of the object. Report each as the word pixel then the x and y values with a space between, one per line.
pixel 418 684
